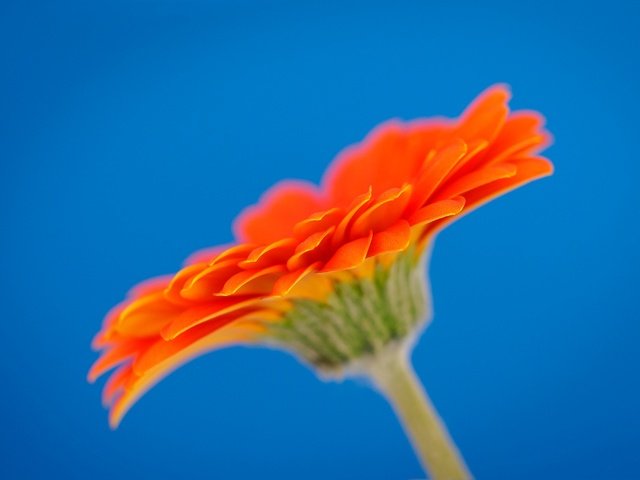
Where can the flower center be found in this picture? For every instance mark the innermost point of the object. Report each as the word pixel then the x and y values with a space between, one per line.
pixel 359 318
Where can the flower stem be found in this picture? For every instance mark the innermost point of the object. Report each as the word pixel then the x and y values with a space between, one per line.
pixel 394 376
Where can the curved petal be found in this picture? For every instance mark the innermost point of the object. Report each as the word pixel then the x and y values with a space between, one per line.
pixel 485 117
pixel 279 210
pixel 386 211
pixel 349 255
pixel 394 239
pixel 477 179
pixel 147 315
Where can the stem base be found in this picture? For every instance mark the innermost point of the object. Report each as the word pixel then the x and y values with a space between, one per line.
pixel 393 374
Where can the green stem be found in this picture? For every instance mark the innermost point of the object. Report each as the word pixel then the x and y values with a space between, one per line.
pixel 394 376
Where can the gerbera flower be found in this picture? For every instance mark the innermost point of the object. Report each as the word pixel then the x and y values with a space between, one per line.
pixel 333 273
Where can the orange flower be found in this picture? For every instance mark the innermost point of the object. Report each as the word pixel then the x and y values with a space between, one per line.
pixel 381 199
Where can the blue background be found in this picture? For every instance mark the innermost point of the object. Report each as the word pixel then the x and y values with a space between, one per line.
pixel 133 132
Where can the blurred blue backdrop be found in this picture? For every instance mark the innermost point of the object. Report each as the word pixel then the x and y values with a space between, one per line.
pixel 133 132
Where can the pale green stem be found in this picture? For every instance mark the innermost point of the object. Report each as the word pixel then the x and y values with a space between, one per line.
pixel 394 376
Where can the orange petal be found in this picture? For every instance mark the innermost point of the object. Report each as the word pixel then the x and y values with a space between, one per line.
pixel 278 211
pixel 210 281
pixel 349 255
pixel 358 167
pixel 318 222
pixel 357 206
pixel 115 384
pixel 437 210
pixel 184 276
pixel 383 213
pixel 110 320
pixel 476 152
pixel 311 249
pixel 394 239
pixel 528 169
pixel 286 282
pixel 519 127
pixel 522 134
pixel 162 350
pixel 389 156
pixel 242 279
pixel 435 171
pixel 484 118
pixel 115 355
pixel 476 179
pixel 195 316
pixel 517 149
pixel 276 252
pixel 237 252
pixel 147 315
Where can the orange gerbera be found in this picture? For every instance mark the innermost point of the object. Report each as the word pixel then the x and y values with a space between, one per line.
pixel 324 271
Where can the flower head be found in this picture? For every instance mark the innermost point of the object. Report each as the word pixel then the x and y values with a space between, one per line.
pixel 330 272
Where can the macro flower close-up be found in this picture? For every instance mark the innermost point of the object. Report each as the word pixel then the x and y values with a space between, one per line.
pixel 333 273
pixel 319 240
